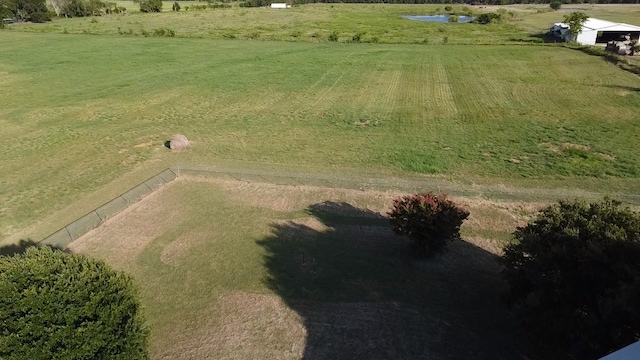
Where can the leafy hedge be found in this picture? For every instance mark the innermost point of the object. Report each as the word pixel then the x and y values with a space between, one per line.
pixel 575 277
pixel 56 305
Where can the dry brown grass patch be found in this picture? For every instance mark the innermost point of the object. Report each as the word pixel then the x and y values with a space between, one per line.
pixel 606 156
pixel 250 326
pixel 565 146
pixel 123 237
pixel 281 197
pixel 145 144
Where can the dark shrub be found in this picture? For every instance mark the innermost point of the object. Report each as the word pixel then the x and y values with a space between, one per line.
pixel 575 277
pixel 428 220
pixel 56 305
pixel 166 32
pixel 555 5
pixel 333 36
pixel 176 6
pixel 253 3
pixel 488 18
pixel 148 6
pixel 40 17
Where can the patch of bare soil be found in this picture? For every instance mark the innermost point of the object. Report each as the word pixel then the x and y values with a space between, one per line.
pixel 251 326
pixel 123 237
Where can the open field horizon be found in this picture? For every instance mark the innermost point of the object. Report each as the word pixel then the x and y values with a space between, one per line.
pixel 378 23
pixel 96 109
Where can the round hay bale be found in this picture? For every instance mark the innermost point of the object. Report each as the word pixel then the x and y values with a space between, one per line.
pixel 179 142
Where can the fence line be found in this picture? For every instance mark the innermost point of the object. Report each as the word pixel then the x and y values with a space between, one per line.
pixel 98 216
pixel 411 184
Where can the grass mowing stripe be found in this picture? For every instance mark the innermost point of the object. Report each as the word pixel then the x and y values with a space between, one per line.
pixel 81 116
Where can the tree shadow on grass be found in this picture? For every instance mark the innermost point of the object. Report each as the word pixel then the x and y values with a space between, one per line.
pixel 19 248
pixel 361 295
pixel 546 38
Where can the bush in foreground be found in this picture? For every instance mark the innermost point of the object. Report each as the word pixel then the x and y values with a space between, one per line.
pixel 56 305
pixel 428 220
pixel 575 277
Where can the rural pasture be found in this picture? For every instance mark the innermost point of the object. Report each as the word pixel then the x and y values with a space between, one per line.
pixel 232 269
pixel 87 115
pixel 381 23
pixel 238 270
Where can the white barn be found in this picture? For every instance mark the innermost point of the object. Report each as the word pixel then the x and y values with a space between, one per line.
pixel 280 5
pixel 596 31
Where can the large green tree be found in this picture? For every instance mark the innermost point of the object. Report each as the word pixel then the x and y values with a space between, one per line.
pixel 575 20
pixel 56 305
pixel 575 277
pixel 7 8
pixel 25 10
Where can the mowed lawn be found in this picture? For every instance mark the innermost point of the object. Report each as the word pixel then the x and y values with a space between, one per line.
pixel 78 112
pixel 237 270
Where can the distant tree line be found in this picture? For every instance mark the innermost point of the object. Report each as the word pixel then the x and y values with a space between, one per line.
pixel 43 10
pixel 469 2
pixel 25 10
pixel 81 8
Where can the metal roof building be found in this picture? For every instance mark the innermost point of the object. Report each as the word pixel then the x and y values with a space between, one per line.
pixel 596 31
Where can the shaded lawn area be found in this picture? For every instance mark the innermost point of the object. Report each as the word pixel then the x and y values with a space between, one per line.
pixel 232 270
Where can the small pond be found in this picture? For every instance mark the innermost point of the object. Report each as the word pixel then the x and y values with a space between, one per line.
pixel 438 18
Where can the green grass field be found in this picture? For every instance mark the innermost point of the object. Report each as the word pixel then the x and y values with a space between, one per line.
pixel 376 23
pixel 314 22
pixel 80 112
pixel 242 269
